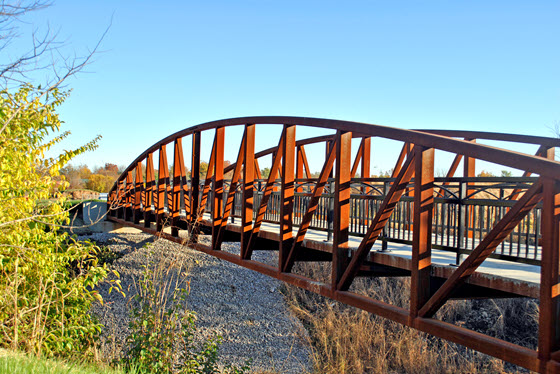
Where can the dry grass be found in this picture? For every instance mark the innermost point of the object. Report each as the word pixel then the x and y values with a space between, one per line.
pixel 349 340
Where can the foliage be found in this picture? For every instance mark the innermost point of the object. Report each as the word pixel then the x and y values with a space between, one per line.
pixel 265 172
pixel 486 174
pixel 76 176
pixel 47 279
pixel 109 169
pixel 506 173
pixel 162 338
pixel 100 183
pixel 203 169
pixel 80 176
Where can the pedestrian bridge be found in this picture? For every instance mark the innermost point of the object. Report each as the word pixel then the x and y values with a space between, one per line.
pixel 456 235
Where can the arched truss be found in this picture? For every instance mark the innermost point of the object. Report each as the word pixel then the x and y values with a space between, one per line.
pixel 172 201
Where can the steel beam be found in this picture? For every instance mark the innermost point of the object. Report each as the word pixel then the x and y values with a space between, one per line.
pixel 128 196
pixel 138 192
pixel 248 189
pixel 341 221
pixel 217 185
pixel 150 188
pixel 287 194
pixel 179 174
pixel 163 181
pixel 422 235
pixel 195 178
pixel 549 308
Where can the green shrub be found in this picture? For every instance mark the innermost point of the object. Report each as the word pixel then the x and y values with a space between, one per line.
pixel 47 279
pixel 163 330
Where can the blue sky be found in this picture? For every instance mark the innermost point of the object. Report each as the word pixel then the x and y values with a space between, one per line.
pixel 481 65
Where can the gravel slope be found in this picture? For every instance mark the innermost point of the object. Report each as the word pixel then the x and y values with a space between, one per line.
pixel 243 306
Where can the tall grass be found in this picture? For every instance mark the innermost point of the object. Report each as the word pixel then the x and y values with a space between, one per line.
pixel 19 363
pixel 163 333
pixel 348 340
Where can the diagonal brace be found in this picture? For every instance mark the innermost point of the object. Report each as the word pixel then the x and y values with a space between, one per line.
pixel 306 222
pixel 206 188
pixel 231 192
pixel 484 249
pixel 381 218
pixel 264 201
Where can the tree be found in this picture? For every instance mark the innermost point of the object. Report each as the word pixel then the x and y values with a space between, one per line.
pixel 76 176
pixel 109 169
pixel 486 174
pixel 100 183
pixel 506 174
pixel 203 170
pixel 47 279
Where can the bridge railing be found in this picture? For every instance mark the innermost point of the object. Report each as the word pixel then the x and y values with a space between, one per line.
pixel 459 224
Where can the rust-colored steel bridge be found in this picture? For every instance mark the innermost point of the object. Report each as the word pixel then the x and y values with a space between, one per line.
pixel 476 220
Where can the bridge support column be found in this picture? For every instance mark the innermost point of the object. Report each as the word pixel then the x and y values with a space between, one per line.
pixel 218 185
pixel 287 193
pixel 341 219
pixel 163 182
pixel 119 205
pixel 193 215
pixel 469 171
pixel 422 234
pixel 549 316
pixel 149 192
pixel 178 179
pixel 138 192
pixel 248 182
pixel 128 197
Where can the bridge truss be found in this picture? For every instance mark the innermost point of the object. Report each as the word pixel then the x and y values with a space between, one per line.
pixel 519 222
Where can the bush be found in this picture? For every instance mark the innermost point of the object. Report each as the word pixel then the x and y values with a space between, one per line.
pixel 47 279
pixel 163 330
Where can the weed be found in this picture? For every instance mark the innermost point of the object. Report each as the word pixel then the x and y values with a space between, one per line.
pixel 163 331
pixel 349 340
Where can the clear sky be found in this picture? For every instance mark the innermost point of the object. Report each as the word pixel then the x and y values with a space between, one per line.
pixel 165 66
